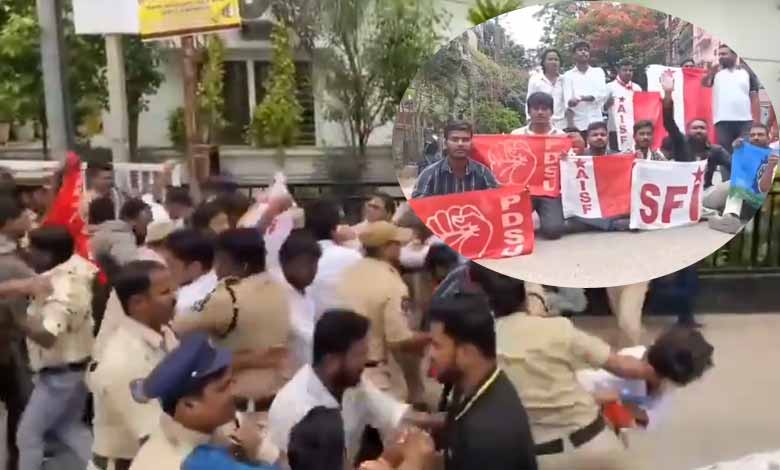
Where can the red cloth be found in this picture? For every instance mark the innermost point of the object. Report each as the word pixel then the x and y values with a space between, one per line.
pixel 65 208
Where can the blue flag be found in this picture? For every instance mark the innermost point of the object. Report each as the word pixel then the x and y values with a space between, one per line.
pixel 747 164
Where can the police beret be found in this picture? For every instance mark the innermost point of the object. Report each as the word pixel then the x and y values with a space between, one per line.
pixel 182 370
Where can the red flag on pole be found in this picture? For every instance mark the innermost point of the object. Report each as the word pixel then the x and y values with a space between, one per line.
pixel 648 106
pixel 65 208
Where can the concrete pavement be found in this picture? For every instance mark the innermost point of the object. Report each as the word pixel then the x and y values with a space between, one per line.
pixel 732 411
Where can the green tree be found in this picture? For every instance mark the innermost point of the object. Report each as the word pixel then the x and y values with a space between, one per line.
pixel 211 99
pixel 277 119
pixel 21 79
pixel 486 10
pixel 372 52
pixel 143 79
pixel 490 119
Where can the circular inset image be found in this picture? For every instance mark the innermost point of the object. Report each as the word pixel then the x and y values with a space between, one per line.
pixel 601 145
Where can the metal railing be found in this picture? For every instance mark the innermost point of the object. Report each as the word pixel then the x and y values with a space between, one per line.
pixel 754 250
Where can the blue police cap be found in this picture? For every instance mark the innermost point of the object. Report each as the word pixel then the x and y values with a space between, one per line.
pixel 182 370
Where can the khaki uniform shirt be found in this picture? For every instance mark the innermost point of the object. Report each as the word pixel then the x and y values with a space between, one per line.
pixel 541 355
pixel 168 447
pixel 376 290
pixel 120 423
pixel 244 315
pixel 67 314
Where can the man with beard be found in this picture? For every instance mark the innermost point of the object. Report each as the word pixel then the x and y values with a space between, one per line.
pixel 458 172
pixel 735 212
pixel 59 329
pixel 487 426
pixel 334 380
pixel 147 293
pixel 735 103
pixel 695 146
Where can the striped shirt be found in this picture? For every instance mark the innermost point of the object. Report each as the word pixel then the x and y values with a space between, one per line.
pixel 438 179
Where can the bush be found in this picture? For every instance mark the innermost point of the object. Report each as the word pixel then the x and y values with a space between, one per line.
pixel 496 119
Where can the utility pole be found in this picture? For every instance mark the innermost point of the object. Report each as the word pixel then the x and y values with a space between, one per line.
pixel 117 96
pixel 55 85
pixel 190 76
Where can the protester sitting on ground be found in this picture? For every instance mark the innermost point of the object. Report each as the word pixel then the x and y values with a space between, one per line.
pixel 735 212
pixel 679 356
pixel 458 172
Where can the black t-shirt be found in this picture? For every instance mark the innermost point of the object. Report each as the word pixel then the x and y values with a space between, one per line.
pixel 490 432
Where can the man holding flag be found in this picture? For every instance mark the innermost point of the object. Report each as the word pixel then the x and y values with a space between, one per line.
pixel 751 164
pixel 619 103
pixel 696 146
pixel 549 209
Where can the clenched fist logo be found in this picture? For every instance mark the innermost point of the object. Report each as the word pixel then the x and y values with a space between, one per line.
pixel 512 162
pixel 464 228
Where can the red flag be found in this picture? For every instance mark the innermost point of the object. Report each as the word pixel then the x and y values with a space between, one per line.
pixel 65 208
pixel 698 99
pixel 495 223
pixel 523 160
pixel 596 187
pixel 648 106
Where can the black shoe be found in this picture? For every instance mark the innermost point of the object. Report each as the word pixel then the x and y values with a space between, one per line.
pixel 620 225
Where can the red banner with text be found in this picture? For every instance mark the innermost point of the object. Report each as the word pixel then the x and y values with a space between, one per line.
pixel 523 160
pixel 495 223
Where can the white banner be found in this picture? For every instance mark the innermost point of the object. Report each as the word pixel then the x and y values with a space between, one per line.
pixel 579 194
pixel 666 194
pixel 654 73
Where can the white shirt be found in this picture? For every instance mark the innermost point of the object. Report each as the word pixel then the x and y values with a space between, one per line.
pixel 577 84
pixel 596 379
pixel 330 269
pixel 361 406
pixel 527 131
pixel 540 82
pixel 615 90
pixel 731 95
pixel 302 315
pixel 194 292
pixel 413 254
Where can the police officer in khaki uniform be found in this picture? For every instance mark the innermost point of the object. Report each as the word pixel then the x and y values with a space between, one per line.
pixel 541 355
pixel 59 328
pixel 373 287
pixel 139 343
pixel 247 313
pixel 193 384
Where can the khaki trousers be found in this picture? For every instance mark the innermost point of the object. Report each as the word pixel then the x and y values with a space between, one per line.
pixel 603 452
pixel 626 303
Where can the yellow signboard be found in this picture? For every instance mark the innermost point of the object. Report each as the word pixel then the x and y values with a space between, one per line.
pixel 163 18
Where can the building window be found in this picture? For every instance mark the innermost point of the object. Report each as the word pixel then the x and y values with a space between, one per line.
pixel 239 88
